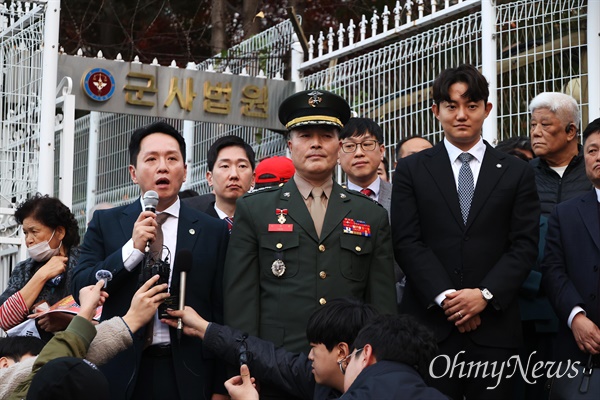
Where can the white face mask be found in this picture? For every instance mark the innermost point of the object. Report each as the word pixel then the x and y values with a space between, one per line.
pixel 42 251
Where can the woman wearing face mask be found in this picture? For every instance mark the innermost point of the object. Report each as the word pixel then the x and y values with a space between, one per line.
pixel 51 236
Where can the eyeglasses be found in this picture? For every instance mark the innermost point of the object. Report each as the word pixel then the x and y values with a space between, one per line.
pixel 346 360
pixel 367 145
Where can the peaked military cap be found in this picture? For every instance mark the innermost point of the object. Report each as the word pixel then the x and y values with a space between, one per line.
pixel 314 107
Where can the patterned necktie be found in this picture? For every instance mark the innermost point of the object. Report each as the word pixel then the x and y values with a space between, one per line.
pixel 156 246
pixel 317 210
pixel 466 186
pixel 229 223
pixel 367 192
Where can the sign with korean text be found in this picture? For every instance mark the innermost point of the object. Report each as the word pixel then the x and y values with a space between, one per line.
pixel 166 92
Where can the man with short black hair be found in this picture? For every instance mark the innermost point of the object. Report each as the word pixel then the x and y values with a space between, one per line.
pixel 230 162
pixel 361 152
pixel 297 246
pixel 390 360
pixel 158 364
pixel 17 348
pixel 331 330
pixel 465 230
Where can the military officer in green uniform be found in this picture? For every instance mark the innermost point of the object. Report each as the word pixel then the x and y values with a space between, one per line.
pixel 296 246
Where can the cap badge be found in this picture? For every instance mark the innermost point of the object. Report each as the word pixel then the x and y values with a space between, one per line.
pixel 314 98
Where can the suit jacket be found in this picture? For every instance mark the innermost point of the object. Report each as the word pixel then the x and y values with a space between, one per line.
pixel 437 251
pixel 385 195
pixel 570 267
pixel 204 203
pixel 316 269
pixel 391 380
pixel 207 238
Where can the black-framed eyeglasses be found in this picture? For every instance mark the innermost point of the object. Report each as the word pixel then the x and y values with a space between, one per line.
pixel 346 360
pixel 367 145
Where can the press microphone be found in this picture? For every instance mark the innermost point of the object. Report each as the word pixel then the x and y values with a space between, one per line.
pixel 150 200
pixel 183 264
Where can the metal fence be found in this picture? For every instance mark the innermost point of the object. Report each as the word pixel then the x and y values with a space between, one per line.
pixel 541 46
pixel 21 37
pixel 384 65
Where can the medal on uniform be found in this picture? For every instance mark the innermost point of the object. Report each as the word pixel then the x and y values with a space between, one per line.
pixel 281 212
pixel 278 268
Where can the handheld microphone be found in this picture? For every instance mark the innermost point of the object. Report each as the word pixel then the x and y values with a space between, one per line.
pixel 150 200
pixel 183 264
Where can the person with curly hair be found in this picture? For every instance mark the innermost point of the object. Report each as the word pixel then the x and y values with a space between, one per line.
pixel 51 236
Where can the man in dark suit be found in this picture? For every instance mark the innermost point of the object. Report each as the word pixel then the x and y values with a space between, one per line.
pixel 159 365
pixel 570 266
pixel 297 246
pixel 361 153
pixel 230 162
pixel 465 230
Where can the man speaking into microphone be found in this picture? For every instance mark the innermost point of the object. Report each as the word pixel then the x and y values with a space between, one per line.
pixel 126 241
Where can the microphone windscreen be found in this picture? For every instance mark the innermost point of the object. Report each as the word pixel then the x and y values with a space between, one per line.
pixel 183 261
pixel 150 200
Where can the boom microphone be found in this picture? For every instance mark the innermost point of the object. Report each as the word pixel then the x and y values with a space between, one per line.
pixel 183 264
pixel 150 201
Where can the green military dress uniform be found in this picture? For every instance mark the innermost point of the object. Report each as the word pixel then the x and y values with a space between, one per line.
pixel 278 271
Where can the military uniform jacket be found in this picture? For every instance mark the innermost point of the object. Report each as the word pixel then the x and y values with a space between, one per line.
pixel 316 270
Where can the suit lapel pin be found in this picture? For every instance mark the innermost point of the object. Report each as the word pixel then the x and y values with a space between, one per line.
pixel 192 231
pixel 286 194
pixel 498 165
pixel 342 196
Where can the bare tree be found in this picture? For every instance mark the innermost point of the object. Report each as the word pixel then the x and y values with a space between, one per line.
pixel 218 40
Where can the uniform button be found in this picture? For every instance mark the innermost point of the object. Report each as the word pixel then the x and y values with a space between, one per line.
pixel 595 268
pixel 323 274
pixel 321 248
pixel 357 248
pixel 592 296
pixel 279 245
pixel 466 238
pixel 322 301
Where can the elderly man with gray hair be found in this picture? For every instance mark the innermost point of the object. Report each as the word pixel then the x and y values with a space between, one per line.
pixel 559 175
pixel 559 168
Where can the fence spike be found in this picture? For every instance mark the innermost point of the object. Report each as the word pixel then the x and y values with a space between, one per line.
pixel 374 20
pixel 321 43
pixel 351 28
pixel 363 27
pixel 386 18
pixel 397 12
pixel 311 47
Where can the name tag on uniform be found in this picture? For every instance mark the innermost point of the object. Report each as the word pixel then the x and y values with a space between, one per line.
pixel 281 227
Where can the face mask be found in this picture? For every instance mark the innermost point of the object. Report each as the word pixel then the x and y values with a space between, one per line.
pixel 42 251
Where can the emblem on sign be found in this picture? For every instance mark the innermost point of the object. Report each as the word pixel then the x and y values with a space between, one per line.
pixel 281 212
pixel 278 268
pixel 314 98
pixel 98 84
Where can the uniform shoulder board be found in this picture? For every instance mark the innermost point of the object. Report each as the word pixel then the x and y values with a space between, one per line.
pixel 263 190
